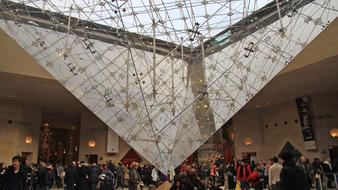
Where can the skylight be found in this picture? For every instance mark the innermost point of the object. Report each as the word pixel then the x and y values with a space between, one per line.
pixel 177 21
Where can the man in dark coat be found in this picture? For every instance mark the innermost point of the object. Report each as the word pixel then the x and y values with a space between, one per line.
pixel 94 176
pixel 83 172
pixel 70 177
pixel 291 177
pixel 43 177
pixel 14 177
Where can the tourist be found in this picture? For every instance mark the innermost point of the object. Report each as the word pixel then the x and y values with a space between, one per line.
pixel 194 179
pixel 134 177
pixel 14 177
pixel 213 173
pixel 203 173
pixel 119 176
pixel 328 172
pixel 60 171
pixel 94 176
pixel 254 179
pixel 43 177
pixel 274 174
pixel 231 171
pixel 83 173
pixel 154 176
pixel 2 173
pixel 243 172
pixel 126 175
pixel 70 177
pixel 291 177
pixel 107 179
pixel 305 165
pixel 51 175
pixel 317 169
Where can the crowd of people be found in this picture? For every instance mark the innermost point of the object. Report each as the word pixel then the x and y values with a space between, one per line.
pixel 216 173
pixel 22 175
pixel 277 174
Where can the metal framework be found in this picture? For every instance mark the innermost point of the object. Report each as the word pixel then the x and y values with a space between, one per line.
pixel 165 75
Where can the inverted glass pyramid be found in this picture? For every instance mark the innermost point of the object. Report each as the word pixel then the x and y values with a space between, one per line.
pixel 164 96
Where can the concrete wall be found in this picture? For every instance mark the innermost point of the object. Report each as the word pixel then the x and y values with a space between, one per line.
pixel 25 122
pixel 270 128
pixel 247 124
pixel 326 117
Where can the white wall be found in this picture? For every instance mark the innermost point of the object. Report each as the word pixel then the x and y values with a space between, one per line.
pixel 269 141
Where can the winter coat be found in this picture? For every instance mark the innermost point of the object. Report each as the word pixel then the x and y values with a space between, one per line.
pixel 254 178
pixel 12 180
pixel 243 172
pixel 292 177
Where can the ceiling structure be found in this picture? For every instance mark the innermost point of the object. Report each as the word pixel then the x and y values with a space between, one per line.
pixel 170 20
pixel 159 94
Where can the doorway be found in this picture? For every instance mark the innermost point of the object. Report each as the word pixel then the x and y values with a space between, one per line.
pixel 27 156
pixel 92 158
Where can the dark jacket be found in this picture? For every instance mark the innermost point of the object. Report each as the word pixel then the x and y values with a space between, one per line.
pixel 292 177
pixel 43 177
pixel 13 181
pixel 107 178
pixel 70 177
pixel 94 174
pixel 83 178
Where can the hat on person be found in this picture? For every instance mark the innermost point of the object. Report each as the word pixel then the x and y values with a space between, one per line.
pixel 286 155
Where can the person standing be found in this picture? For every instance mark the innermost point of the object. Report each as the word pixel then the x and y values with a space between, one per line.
pixel 126 175
pixel 14 177
pixel 70 177
pixel 213 173
pixel 119 176
pixel 107 179
pixel 327 167
pixel 154 177
pixel 134 177
pixel 60 174
pixel 43 177
pixel 274 174
pixel 203 174
pixel 2 174
pixel 243 172
pixel 255 179
pixel 231 170
pixel 305 165
pixel 83 172
pixel 317 170
pixel 291 176
pixel 94 176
